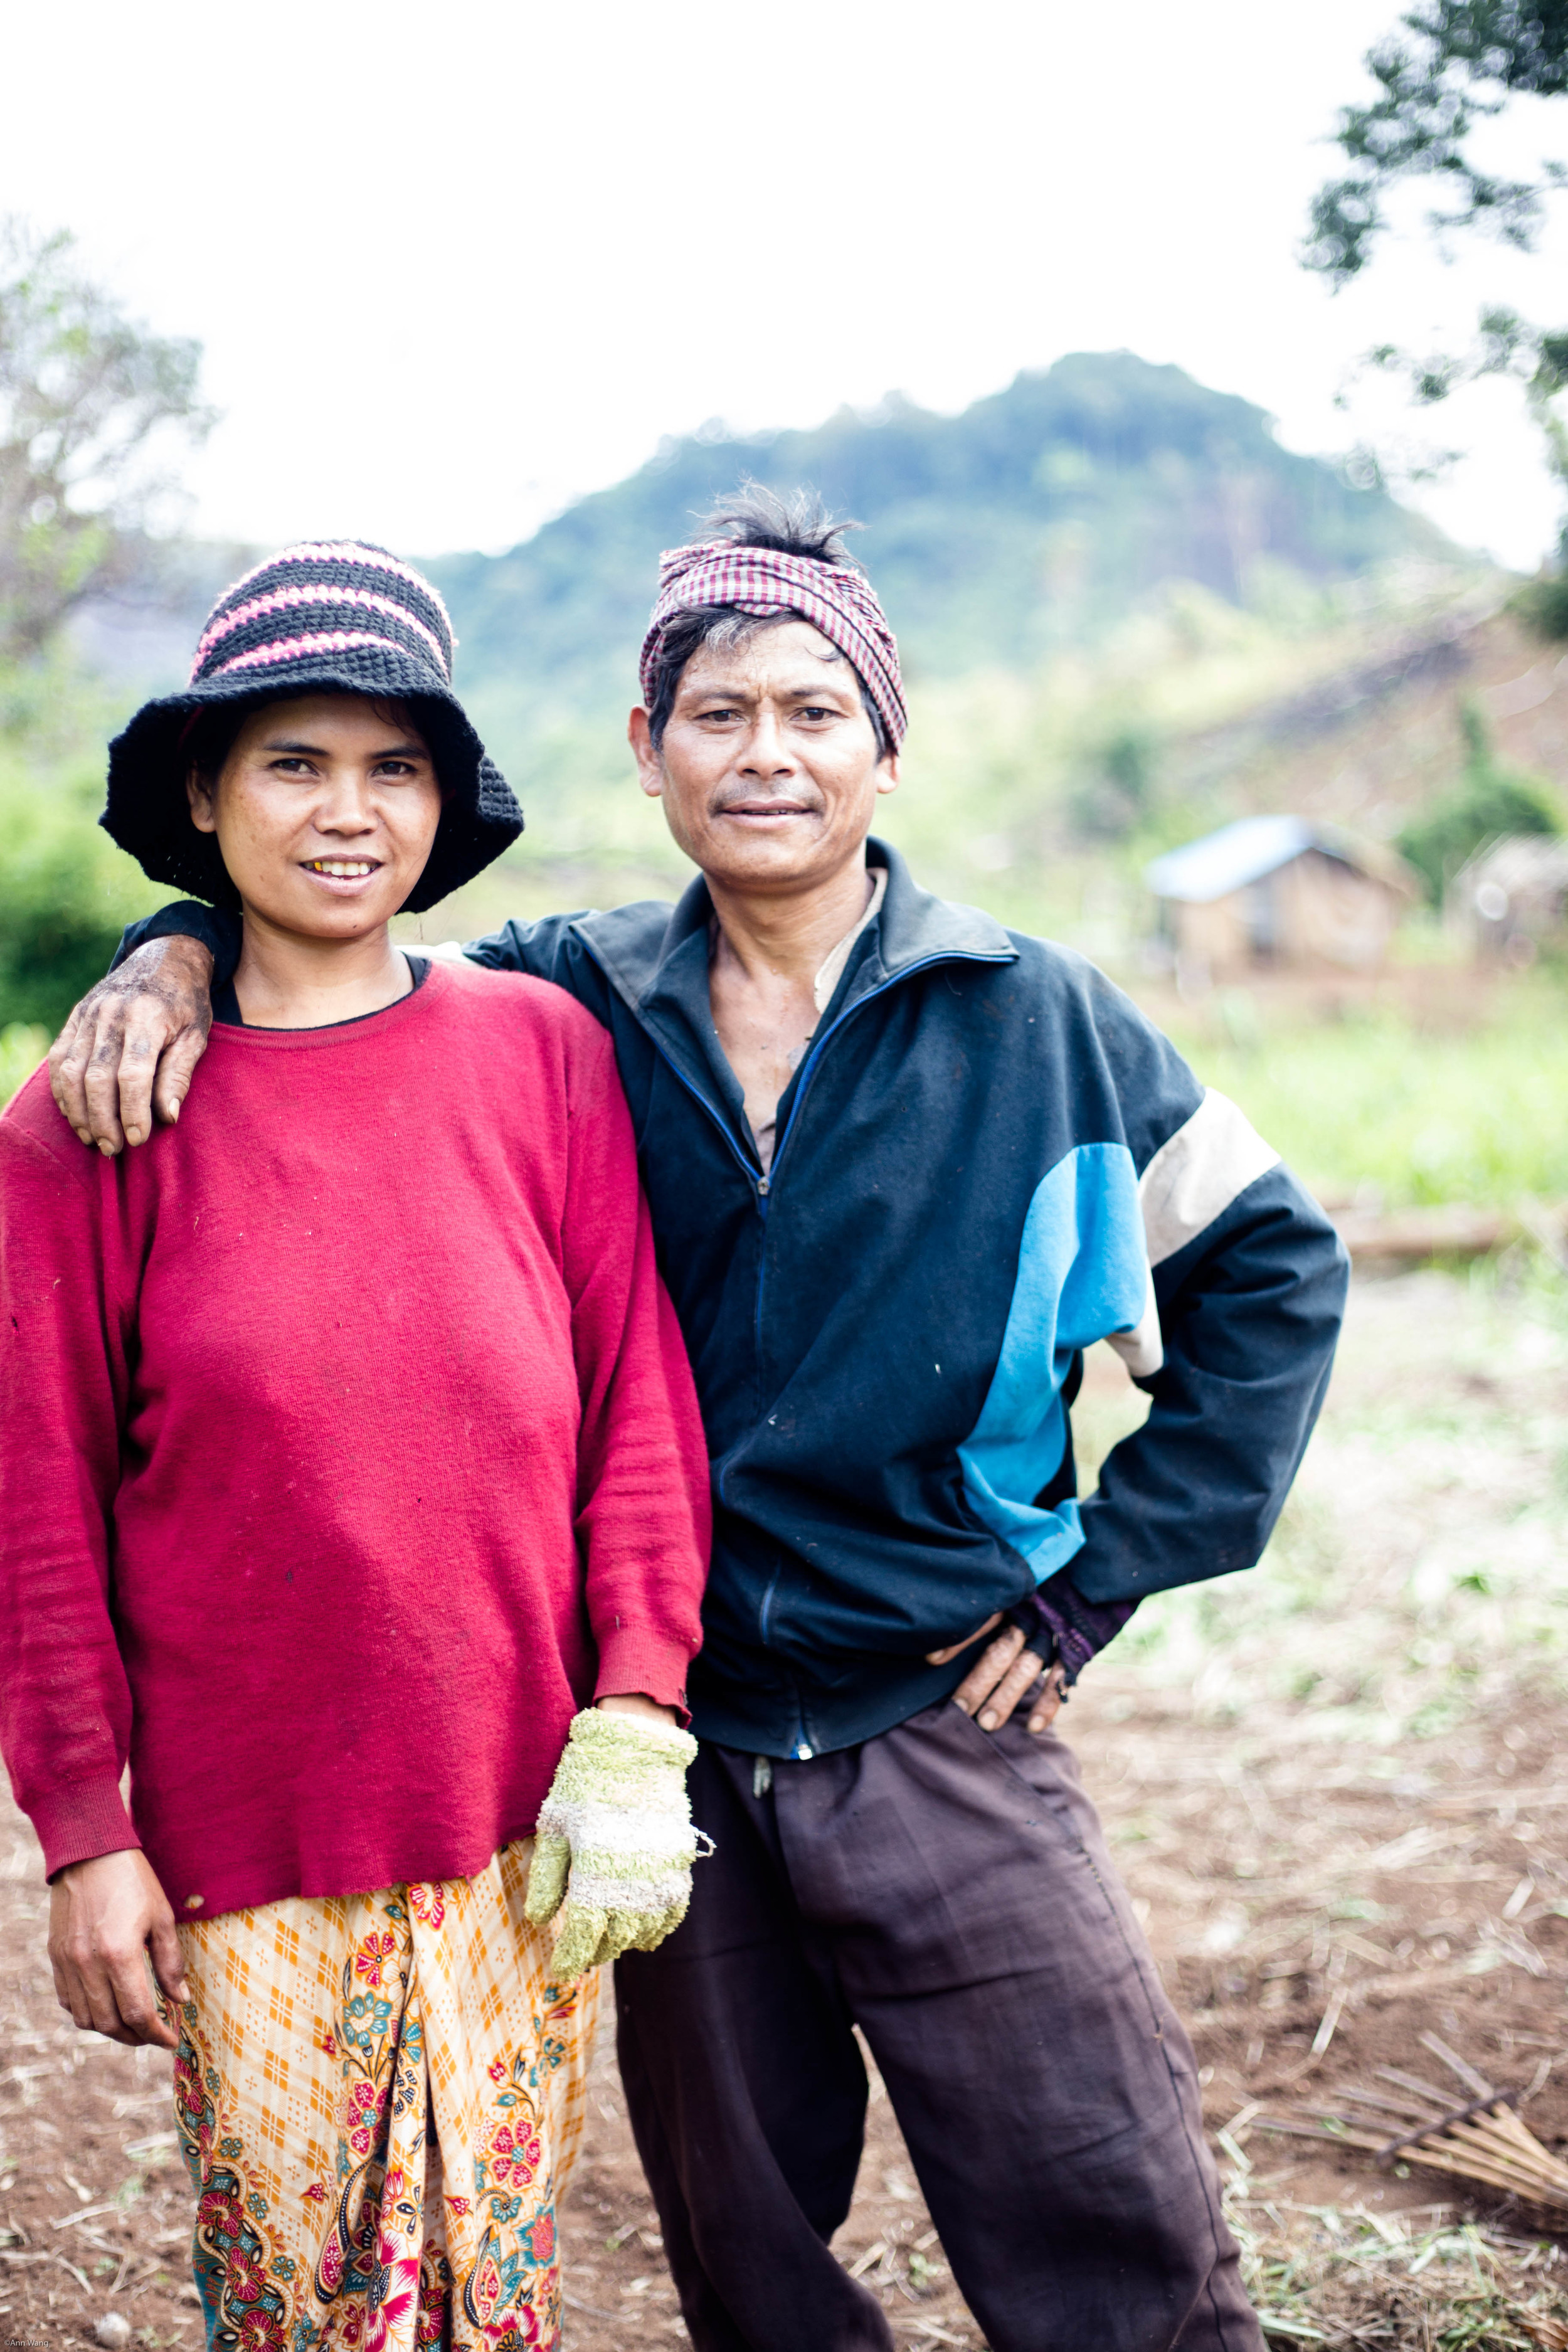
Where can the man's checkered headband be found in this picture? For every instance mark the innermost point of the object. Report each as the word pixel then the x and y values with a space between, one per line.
pixel 840 602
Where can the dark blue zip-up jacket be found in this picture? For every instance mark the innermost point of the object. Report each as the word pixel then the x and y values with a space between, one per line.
pixel 987 1159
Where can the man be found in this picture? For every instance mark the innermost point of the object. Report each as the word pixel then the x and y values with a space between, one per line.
pixel 904 1167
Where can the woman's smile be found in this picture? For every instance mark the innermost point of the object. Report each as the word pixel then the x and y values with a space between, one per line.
pixel 342 869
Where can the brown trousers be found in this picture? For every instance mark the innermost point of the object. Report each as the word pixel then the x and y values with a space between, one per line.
pixel 949 1891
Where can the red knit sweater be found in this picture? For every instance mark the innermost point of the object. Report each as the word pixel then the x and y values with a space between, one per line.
pixel 347 1446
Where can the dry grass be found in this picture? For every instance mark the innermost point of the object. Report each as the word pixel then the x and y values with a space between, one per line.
pixel 1345 2275
pixel 1337 1789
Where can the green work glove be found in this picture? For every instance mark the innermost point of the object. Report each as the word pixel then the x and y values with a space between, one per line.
pixel 616 1844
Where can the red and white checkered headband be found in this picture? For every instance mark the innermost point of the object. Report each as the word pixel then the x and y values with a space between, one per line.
pixel 841 604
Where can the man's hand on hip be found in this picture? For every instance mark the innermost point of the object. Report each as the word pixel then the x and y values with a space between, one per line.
pixel 1006 1674
pixel 130 1046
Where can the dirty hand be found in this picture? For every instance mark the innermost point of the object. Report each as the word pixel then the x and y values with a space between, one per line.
pixel 107 1918
pixel 616 1844
pixel 132 1044
pixel 1006 1672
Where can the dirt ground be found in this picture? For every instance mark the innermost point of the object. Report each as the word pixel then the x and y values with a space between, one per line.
pixel 1339 1791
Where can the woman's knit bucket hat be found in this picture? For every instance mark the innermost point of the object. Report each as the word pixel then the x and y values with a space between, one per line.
pixel 340 617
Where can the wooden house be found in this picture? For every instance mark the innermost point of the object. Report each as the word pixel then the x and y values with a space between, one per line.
pixel 1278 893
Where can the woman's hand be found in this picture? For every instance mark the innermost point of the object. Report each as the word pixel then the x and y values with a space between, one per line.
pixel 107 1916
pixel 615 1844
pixel 639 1703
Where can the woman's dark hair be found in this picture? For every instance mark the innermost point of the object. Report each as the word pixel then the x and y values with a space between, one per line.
pixel 755 517
pixel 210 738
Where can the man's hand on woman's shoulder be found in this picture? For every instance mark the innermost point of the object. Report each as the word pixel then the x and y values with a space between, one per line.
pixel 130 1047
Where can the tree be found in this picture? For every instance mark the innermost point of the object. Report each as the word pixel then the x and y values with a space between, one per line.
pixel 1459 65
pixel 1466 59
pixel 89 404
pixel 1489 802
pixel 1113 797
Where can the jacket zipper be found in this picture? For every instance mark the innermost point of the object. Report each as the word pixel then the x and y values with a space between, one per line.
pixel 762 1184
pixel 801 1745
pixel 766 1182
pixel 752 1175
pixel 812 1059
pixel 747 1166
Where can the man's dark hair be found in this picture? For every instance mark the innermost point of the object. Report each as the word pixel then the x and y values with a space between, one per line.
pixel 755 517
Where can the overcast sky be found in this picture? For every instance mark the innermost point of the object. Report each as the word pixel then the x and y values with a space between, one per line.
pixel 454 265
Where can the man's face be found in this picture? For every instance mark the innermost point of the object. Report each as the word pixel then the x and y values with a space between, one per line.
pixel 768 771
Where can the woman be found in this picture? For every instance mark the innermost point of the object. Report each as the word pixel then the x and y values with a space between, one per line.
pixel 348 1455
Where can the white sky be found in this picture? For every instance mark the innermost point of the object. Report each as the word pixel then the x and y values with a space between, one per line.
pixel 454 264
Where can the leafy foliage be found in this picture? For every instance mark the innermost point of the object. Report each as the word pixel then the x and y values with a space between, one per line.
pixel 1490 801
pixel 58 931
pixel 1544 604
pixel 22 1045
pixel 66 891
pixel 1116 793
pixel 87 399
pixel 1467 59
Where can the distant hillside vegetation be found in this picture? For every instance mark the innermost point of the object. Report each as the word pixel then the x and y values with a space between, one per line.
pixel 1029 523
pixel 1127 615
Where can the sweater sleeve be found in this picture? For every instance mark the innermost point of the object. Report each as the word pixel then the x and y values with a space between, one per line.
pixel 65 1701
pixel 644 1514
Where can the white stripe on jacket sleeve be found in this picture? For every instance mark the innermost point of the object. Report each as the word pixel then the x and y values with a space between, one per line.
pixel 1195 1173
pixel 1198 1172
pixel 1142 1350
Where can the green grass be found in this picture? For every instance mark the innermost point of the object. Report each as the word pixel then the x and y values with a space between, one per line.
pixel 65 889
pixel 1372 1101
pixel 1379 1102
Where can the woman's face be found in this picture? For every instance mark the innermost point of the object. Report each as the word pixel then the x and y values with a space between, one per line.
pixel 324 813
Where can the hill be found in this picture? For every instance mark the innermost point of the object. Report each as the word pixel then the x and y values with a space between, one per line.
pixel 1029 524
pixel 1127 615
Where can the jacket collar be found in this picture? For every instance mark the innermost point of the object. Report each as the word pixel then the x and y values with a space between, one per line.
pixel 648 962
pixel 655 958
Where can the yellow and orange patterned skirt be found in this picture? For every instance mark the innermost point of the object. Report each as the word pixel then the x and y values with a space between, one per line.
pixel 380 2098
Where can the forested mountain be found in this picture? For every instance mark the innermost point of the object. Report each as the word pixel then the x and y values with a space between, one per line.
pixel 1119 514
pixel 1034 520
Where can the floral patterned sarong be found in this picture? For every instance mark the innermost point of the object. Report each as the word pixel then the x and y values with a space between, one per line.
pixel 379 2098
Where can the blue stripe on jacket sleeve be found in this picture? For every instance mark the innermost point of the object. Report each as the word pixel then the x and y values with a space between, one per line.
pixel 1083 1273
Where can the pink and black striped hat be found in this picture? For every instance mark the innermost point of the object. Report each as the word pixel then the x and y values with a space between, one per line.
pixel 326 616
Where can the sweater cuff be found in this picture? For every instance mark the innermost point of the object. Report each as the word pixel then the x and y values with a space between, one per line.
pixel 632 1658
pixel 79 1821
pixel 1063 1626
